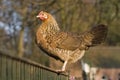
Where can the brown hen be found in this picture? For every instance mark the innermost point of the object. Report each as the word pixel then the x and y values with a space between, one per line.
pixel 64 46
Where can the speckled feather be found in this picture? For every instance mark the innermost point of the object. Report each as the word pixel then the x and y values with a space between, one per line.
pixel 65 45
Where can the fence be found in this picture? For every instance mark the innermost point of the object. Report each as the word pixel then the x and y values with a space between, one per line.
pixel 13 68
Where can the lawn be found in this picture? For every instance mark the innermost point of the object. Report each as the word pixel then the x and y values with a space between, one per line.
pixel 103 57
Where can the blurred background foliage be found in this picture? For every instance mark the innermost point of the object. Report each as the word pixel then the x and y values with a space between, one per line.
pixel 18 24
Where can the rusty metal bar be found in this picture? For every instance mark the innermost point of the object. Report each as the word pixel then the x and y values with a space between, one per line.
pixel 15 68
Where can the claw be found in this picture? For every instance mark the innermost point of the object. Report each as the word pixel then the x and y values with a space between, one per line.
pixel 60 71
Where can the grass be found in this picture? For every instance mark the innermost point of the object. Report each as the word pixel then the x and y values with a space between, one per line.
pixel 107 57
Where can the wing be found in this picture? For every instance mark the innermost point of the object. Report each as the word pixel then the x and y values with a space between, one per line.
pixel 65 40
pixel 72 41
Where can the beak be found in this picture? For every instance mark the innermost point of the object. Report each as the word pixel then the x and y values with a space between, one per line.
pixel 37 16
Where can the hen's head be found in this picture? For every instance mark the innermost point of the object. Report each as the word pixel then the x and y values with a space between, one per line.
pixel 42 15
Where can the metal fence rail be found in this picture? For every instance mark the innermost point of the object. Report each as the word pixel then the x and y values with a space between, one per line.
pixel 14 68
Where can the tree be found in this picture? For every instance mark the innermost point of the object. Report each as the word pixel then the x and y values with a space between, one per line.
pixel 19 22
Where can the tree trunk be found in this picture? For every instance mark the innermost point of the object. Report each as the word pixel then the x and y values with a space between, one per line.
pixel 21 43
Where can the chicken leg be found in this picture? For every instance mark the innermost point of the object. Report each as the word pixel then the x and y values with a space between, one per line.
pixel 64 65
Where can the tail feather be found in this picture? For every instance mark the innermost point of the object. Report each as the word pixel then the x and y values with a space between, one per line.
pixel 100 33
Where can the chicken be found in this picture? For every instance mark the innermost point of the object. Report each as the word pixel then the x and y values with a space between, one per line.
pixel 65 46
